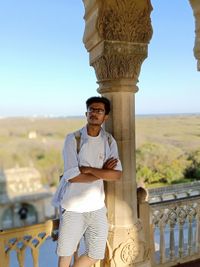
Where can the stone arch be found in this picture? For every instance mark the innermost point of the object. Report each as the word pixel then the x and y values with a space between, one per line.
pixel 19 214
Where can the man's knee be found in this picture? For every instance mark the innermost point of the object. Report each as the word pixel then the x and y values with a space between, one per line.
pixel 64 261
pixel 93 261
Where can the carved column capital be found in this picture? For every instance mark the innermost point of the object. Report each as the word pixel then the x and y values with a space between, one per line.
pixel 116 36
pixel 116 60
pixel 196 11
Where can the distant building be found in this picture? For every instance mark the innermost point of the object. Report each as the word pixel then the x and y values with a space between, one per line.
pixel 32 135
pixel 23 198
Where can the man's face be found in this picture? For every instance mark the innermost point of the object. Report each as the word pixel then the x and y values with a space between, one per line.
pixel 96 114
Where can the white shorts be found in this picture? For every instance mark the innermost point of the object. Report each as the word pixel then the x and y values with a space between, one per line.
pixel 92 225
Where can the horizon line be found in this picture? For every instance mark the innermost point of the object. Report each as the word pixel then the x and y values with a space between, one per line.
pixel 82 116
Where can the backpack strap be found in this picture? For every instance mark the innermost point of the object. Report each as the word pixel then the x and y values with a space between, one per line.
pixel 77 136
pixel 109 138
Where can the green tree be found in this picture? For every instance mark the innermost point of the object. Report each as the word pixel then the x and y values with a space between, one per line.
pixel 156 163
pixel 193 170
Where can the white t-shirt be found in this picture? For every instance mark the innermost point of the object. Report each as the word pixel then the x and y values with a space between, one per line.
pixel 87 196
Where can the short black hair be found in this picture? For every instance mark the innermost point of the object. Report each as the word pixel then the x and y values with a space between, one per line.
pixel 99 99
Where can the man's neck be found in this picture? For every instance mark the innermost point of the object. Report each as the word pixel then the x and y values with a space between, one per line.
pixel 93 130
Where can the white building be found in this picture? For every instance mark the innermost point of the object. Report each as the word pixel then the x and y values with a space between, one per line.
pixel 23 198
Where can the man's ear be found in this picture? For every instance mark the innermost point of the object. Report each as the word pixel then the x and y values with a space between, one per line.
pixel 106 117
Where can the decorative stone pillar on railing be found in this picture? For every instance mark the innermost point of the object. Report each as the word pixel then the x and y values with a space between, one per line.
pixel 196 11
pixel 172 222
pixel 116 36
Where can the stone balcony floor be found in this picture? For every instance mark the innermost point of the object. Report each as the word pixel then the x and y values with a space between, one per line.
pixel 195 263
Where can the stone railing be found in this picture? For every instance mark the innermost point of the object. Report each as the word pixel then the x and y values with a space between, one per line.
pixel 19 239
pixel 24 238
pixel 174 192
pixel 172 230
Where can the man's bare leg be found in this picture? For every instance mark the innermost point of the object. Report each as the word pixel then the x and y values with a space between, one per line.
pixel 64 261
pixel 84 261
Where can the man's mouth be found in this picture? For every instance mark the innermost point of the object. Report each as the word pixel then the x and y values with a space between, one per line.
pixel 93 118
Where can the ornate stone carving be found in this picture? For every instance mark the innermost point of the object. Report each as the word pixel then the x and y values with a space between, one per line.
pixel 174 213
pixel 133 250
pixel 119 60
pixel 119 45
pixel 129 252
pixel 30 237
pixel 125 20
pixel 172 218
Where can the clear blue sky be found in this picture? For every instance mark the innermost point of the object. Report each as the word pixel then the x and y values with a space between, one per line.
pixel 44 67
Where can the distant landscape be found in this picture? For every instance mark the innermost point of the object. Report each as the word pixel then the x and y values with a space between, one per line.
pixel 167 146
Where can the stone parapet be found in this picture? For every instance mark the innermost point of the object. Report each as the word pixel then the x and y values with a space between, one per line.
pixel 178 191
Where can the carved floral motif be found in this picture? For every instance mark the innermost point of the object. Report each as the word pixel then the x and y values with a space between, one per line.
pixel 125 20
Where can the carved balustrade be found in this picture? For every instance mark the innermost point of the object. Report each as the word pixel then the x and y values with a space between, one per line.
pixel 24 238
pixel 175 231
pixel 20 239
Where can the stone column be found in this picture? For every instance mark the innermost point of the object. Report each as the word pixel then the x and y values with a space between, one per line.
pixel 116 36
pixel 196 11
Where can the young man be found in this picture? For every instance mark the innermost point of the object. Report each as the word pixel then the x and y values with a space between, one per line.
pixel 90 157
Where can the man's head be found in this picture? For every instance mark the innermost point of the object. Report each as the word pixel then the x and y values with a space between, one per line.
pixel 99 99
pixel 98 109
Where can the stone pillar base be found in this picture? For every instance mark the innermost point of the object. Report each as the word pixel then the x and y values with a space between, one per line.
pixel 130 247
